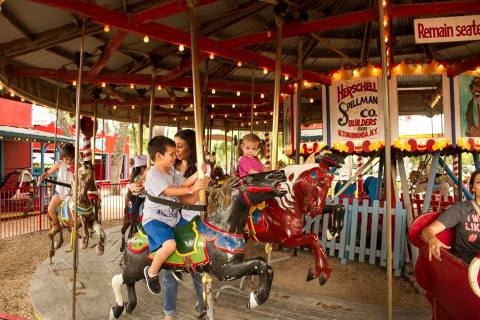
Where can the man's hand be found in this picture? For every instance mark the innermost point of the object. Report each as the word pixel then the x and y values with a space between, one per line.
pixel 42 177
pixel 434 246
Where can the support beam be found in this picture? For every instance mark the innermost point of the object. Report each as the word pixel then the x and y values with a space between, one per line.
pixel 140 79
pixel 165 33
pixel 466 64
pixel 107 53
pixel 217 100
pixel 434 8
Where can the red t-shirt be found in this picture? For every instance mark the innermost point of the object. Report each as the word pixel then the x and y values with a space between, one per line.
pixel 246 164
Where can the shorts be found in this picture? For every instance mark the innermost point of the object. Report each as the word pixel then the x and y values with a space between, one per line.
pixel 158 232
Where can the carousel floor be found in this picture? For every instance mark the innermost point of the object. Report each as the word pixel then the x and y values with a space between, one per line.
pixel 51 296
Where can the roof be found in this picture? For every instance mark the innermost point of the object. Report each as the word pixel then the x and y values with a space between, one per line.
pixel 22 134
pixel 40 42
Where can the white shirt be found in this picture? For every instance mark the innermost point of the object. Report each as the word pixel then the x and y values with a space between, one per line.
pixel 66 176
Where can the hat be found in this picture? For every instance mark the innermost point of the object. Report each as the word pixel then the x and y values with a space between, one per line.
pixel 140 161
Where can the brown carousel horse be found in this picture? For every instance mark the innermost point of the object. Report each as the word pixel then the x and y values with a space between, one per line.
pixel 88 212
pixel 281 220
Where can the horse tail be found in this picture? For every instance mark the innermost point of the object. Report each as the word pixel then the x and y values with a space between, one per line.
pixel 117 310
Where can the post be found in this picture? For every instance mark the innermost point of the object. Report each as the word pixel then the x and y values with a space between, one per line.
pixel 388 157
pixel 197 95
pixel 57 103
pixel 276 93
pixel 94 138
pixel 150 112
pixel 253 99
pixel 430 182
pixel 459 188
pixel 297 107
pixel 77 160
pixel 140 129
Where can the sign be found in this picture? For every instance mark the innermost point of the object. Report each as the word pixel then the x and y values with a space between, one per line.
pixel 469 96
pixel 447 29
pixel 356 112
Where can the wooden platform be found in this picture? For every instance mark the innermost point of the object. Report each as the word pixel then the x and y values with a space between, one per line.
pixel 51 295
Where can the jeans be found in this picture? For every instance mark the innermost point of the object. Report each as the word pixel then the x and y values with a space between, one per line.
pixel 170 289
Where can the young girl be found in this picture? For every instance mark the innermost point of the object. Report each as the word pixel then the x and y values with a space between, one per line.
pixel 248 162
pixel 65 175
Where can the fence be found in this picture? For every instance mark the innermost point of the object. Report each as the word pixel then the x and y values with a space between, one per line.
pixel 24 211
pixel 362 236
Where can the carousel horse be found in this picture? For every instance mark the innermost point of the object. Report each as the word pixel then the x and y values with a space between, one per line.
pixel 281 220
pixel 88 212
pixel 442 183
pixel 215 245
pixel 130 219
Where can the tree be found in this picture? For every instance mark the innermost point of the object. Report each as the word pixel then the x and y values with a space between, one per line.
pixel 118 153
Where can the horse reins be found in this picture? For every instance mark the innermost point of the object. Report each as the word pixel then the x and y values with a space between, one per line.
pixel 244 189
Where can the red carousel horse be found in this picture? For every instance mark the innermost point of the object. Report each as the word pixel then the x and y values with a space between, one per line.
pixel 281 221
pixel 451 285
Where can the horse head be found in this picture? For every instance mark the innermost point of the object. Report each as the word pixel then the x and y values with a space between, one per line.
pixel 86 181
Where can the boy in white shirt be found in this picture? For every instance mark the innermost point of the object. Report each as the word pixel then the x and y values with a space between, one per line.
pixel 158 219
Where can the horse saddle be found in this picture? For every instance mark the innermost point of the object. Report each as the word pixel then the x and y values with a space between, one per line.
pixel 69 205
pixel 191 248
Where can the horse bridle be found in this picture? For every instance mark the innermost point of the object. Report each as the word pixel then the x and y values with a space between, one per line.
pixel 244 189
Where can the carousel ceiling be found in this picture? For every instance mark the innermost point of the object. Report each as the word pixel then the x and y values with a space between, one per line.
pixel 127 41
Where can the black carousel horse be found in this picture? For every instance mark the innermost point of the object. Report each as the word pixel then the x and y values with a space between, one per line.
pixel 215 245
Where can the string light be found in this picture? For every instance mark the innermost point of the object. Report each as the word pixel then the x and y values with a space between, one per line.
pixel 159 87
pixel 211 117
pixel 265 71
pixel 133 107
pixel 286 77
pixel 256 114
pixel 213 106
pixel 262 95
pixel 241 124
pixel 271 113
pixel 22 99
pixel 106 28
pixel 132 86
pixel 240 114
pixel 1 86
pixel 174 119
pixel 254 106
pixel 185 89
pixel 311 100
pixel 213 91
pixel 171 106
pixel 212 56
pixel 146 39
pixel 74 83
pixel 238 93
pixel 239 64
pixel 12 94
pixel 265 121
pixel 186 118
pixel 114 107
pixel 256 122
pixel 104 84
pixel 181 48
pixel 191 105
pixel 225 116
pixel 233 106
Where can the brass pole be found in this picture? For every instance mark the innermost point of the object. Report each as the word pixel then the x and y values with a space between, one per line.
pixel 197 95
pixel 276 93
pixel 253 99
pixel 298 106
pixel 388 156
pixel 77 161
pixel 94 138
pixel 150 113
pixel 57 103
pixel 140 129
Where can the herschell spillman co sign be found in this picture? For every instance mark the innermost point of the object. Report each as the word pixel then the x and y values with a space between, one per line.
pixel 447 29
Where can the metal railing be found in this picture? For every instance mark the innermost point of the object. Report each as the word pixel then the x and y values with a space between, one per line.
pixel 24 210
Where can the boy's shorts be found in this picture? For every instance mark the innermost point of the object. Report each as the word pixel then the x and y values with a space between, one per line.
pixel 159 232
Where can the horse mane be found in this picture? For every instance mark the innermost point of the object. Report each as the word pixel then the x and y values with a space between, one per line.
pixel 220 198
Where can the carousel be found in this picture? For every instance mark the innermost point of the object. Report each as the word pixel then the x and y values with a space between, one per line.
pixel 392 87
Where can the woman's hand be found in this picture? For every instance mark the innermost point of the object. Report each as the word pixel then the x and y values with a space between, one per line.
pixel 434 246
pixel 200 184
pixel 136 187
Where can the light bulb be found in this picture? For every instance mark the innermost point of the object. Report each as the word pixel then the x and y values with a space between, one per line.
pixel 239 64
pixel 171 106
pixel 238 93
pixel 211 117
pixel 233 106
pixel 133 107
pixel 106 28
pixel 213 91
pixel 212 56
pixel 132 86
pixel 262 95
pixel 146 39
pixel 114 107
pixel 191 105
pixel 185 89
pixel 181 48
pixel 213 106
pixel 159 87
pixel 254 106
pixel 104 84
pixel 286 77
pixel 311 100
pixel 265 71
pixel 174 119
pixel 74 83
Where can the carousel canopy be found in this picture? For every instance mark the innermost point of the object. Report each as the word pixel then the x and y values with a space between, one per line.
pixel 127 41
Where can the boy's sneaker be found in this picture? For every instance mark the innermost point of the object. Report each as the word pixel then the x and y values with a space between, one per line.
pixel 153 283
